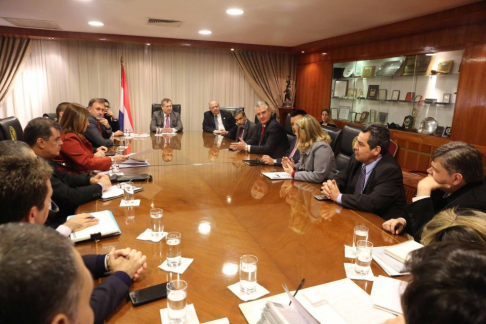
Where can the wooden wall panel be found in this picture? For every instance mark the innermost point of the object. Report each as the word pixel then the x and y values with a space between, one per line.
pixel 469 120
pixel 314 87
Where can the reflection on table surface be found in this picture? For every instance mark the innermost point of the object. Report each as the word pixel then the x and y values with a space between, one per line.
pixel 224 209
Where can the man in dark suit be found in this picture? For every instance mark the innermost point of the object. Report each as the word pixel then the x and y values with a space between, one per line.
pixel 455 181
pixel 167 119
pixel 25 196
pixel 99 131
pixel 373 180
pixel 219 122
pixel 269 138
pixel 112 120
pixel 70 190
pixel 246 128
pixel 293 152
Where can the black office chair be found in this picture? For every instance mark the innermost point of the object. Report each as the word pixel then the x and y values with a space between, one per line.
pixel 11 129
pixel 348 136
pixel 232 110
pixel 290 138
pixel 334 133
pixel 51 116
pixel 157 107
pixel 288 125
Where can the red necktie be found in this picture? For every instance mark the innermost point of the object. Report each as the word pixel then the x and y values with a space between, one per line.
pixel 261 136
pixel 99 128
pixel 241 133
pixel 167 121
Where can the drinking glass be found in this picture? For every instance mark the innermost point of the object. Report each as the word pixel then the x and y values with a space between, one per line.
pixel 173 253
pixel 360 233
pixel 248 273
pixel 362 263
pixel 176 301
pixel 128 191
pixel 156 222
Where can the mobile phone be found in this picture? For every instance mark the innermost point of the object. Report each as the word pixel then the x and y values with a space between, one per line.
pixel 321 197
pixel 149 294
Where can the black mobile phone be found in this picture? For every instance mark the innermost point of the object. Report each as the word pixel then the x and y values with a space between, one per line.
pixel 149 294
pixel 321 197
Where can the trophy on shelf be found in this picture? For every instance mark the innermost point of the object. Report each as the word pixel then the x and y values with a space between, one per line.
pixel 408 123
pixel 288 94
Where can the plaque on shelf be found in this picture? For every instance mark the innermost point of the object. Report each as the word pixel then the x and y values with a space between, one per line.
pixel 364 117
pixel 368 72
pixel 344 112
pixel 408 123
pixel 341 88
pixel 416 65
pixel 358 71
pixel 409 96
pixel 446 98
pixel 348 72
pixel 353 117
pixel 382 93
pixel 389 68
pixel 382 116
pixel 334 113
pixel 357 118
pixel 351 93
pixel 372 115
pixel 372 91
pixel 445 67
pixel 360 94
pixel 417 98
pixel 395 95
pixel 447 132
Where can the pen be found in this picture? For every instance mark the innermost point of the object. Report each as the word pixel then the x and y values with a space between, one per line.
pixel 298 288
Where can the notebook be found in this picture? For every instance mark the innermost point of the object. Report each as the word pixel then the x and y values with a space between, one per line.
pixel 105 228
pixel 386 294
pixel 401 251
pixel 115 192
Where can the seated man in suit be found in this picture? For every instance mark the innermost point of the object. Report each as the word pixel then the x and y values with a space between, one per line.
pixel 455 180
pixel 70 190
pixel 293 152
pixel 166 118
pixel 112 120
pixel 219 122
pixel 99 131
pixel 373 180
pixel 246 128
pixel 25 196
pixel 269 138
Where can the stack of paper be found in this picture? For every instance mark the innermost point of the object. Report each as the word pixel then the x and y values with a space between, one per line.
pixel 116 192
pixel 390 265
pixel 106 227
pixel 277 175
pixel 139 135
pixel 387 293
pixel 401 251
pixel 132 163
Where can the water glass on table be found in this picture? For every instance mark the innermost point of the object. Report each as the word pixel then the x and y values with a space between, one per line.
pixel 128 191
pixel 156 222
pixel 360 233
pixel 362 263
pixel 173 253
pixel 176 301
pixel 248 273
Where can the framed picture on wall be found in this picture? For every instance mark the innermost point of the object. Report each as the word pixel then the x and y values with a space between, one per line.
pixel 395 95
pixel 372 91
pixel 368 72
pixel 364 117
pixel 382 93
pixel 341 88
pixel 357 118
pixel 417 98
pixel 447 98
pixel 382 116
pixel 372 115
pixel 409 96
pixel 334 113
pixel 344 113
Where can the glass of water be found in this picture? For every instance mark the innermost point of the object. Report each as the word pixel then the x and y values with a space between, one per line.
pixel 363 257
pixel 128 191
pixel 360 233
pixel 173 253
pixel 248 273
pixel 156 222
pixel 176 301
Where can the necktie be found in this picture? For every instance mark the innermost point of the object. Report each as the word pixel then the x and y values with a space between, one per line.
pixel 99 128
pixel 216 122
pixel 293 152
pixel 358 189
pixel 261 136
pixel 240 135
pixel 167 121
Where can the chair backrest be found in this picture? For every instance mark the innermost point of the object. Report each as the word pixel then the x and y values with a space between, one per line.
pixel 393 148
pixel 51 116
pixel 290 138
pixel 11 129
pixel 232 110
pixel 157 107
pixel 335 133
pixel 288 125
pixel 347 139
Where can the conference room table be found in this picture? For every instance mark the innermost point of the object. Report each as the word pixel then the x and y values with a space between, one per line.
pixel 224 209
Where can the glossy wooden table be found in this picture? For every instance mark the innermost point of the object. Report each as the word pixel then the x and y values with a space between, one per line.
pixel 224 209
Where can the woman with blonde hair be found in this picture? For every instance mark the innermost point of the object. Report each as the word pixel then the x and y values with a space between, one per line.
pixel 456 225
pixel 76 154
pixel 317 162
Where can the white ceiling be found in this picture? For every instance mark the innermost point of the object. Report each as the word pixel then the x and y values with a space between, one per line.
pixel 265 22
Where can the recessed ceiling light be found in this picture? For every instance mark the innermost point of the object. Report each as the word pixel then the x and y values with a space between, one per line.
pixel 186 44
pixel 324 53
pixel 303 52
pixel 430 54
pixel 51 38
pixel 234 12
pixel 148 44
pixel 232 49
pixel 96 23
pixel 205 32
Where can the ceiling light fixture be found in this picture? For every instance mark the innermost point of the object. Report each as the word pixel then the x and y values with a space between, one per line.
pixel 96 23
pixel 102 39
pixel 234 12
pixel 232 49
pixel 430 54
pixel 324 53
pixel 303 52
pixel 205 32
pixel 148 44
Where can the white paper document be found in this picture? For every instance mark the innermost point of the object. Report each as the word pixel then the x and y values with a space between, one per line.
pixel 107 226
pixel 387 293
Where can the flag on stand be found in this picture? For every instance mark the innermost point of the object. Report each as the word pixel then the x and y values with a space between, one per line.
pixel 125 114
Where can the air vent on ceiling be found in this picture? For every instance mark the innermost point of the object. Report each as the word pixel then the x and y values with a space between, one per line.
pixel 32 23
pixel 163 22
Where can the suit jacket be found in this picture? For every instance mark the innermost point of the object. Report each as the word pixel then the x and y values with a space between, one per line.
pixel 113 121
pixel 70 191
pixel 98 136
pixel 249 130
pixel 229 123
pixel 295 157
pixel 383 194
pixel 419 213
pixel 77 156
pixel 158 120
pixel 316 164
pixel 108 294
pixel 274 141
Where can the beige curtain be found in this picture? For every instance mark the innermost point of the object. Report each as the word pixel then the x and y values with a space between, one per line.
pixel 13 55
pixel 267 74
pixel 77 71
